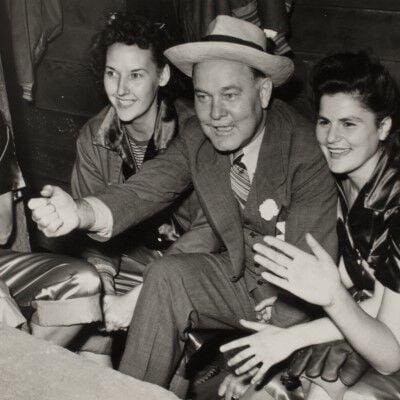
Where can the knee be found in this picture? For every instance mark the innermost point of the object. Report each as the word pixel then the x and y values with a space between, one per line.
pixel 360 392
pixel 85 277
pixel 163 268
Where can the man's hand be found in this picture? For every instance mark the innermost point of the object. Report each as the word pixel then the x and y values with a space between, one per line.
pixel 267 347
pixel 118 310
pixel 108 283
pixel 234 387
pixel 56 213
pixel 264 309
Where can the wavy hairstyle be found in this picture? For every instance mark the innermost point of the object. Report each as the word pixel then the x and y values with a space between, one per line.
pixel 131 29
pixel 367 80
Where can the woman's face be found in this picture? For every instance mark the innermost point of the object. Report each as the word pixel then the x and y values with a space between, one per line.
pixel 131 80
pixel 348 135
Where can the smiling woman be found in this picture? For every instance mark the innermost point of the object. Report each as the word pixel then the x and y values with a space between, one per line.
pixel 131 82
pixel 139 123
pixel 349 135
pixel 359 133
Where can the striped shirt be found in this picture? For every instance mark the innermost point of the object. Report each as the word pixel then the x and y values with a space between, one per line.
pixel 138 150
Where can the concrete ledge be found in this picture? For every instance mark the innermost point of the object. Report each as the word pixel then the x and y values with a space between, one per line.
pixel 32 369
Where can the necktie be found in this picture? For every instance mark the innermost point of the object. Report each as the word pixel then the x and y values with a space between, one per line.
pixel 240 181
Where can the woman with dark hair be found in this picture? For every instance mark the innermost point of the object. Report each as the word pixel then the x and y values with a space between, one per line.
pixel 51 296
pixel 139 123
pixel 358 129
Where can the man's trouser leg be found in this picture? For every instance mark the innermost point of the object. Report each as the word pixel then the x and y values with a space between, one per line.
pixel 188 291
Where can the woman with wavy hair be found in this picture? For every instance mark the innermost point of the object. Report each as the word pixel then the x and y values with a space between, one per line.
pixel 141 119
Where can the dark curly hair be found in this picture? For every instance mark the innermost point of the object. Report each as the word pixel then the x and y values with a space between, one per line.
pixel 133 29
pixel 366 79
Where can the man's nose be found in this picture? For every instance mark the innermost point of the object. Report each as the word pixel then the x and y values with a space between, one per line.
pixel 217 109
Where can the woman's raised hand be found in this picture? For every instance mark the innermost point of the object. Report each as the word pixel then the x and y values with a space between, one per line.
pixel 313 277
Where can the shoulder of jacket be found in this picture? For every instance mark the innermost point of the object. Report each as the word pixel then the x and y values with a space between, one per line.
pixel 91 127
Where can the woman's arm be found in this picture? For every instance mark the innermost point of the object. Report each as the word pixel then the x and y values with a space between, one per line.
pixel 315 279
pixel 271 345
pixel 6 217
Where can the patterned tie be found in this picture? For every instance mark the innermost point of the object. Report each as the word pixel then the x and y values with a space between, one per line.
pixel 240 181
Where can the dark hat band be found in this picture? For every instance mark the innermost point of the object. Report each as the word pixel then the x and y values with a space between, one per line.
pixel 231 39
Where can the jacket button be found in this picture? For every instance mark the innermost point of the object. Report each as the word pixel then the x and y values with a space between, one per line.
pixel 260 282
pixel 234 278
pixel 253 234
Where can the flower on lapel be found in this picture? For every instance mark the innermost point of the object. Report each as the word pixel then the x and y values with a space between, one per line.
pixel 268 209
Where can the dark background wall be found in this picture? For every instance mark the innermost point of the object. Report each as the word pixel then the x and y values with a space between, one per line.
pixel 321 27
pixel 66 94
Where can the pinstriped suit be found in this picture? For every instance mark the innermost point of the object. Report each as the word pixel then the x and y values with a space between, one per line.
pixel 215 290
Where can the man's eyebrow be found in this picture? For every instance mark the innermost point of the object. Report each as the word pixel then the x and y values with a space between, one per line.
pixel 223 89
pixel 231 87
pixel 197 90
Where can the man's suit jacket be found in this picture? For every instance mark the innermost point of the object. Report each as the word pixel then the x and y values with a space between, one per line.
pixel 291 170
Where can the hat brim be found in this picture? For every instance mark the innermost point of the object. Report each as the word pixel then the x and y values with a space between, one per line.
pixel 184 56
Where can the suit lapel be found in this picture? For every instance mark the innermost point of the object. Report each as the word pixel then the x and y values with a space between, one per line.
pixel 270 173
pixel 213 187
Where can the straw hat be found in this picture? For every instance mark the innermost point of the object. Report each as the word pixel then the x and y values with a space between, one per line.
pixel 232 39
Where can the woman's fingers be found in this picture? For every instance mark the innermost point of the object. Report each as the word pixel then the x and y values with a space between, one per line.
pixel 248 365
pixel 223 386
pixel 272 254
pixel 276 280
pixel 260 374
pixel 241 356
pixel 285 247
pixel 316 248
pixel 234 344
pixel 271 266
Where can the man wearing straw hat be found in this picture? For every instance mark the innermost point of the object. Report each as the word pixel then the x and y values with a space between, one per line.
pixel 257 170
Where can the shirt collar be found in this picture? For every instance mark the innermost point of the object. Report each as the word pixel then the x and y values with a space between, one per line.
pixel 251 152
pixel 110 133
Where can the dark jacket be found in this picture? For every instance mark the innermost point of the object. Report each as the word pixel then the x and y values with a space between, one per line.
pixel 371 232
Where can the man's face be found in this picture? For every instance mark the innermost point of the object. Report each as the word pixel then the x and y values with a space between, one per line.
pixel 229 102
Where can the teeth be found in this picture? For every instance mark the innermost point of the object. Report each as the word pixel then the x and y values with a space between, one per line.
pixel 338 151
pixel 125 102
pixel 223 128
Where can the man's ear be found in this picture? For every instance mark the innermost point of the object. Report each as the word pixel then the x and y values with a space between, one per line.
pixel 164 76
pixel 384 128
pixel 265 90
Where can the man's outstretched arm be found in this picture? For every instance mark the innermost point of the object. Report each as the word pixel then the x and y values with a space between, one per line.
pixel 158 184
pixel 56 213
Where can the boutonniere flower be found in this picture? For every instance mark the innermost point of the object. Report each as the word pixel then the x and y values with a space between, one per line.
pixel 268 209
